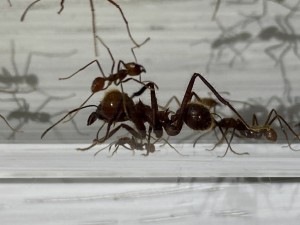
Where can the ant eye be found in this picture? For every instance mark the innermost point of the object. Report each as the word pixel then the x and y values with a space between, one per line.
pixel 98 84
pixel 271 135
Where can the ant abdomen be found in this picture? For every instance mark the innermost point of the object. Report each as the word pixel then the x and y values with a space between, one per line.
pixel 198 117
pixel 98 84
pixel 111 103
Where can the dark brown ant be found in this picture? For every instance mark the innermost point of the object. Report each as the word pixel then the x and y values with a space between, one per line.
pixel 130 69
pixel 93 20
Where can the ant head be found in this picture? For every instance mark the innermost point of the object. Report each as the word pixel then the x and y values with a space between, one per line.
pixel 268 33
pixel 134 69
pixel 270 134
pixel 198 117
pixel 32 80
pixel 98 84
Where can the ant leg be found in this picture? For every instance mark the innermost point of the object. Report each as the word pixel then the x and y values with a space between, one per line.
pixel 269 51
pixel 229 146
pixel 87 65
pixel 111 133
pixel 109 52
pixel 26 10
pixel 61 6
pixel 126 22
pixel 9 2
pixel 287 84
pixel 281 120
pixel 214 15
pixel 13 129
pixel 132 49
pixel 94 27
pixel 68 114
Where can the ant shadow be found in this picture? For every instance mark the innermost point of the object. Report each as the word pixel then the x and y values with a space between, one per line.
pixel 24 115
pixel 24 82
pixel 227 40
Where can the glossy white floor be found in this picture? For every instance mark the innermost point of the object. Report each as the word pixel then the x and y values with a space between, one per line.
pixel 49 182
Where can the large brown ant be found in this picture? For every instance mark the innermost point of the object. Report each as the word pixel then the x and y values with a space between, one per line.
pixel 92 8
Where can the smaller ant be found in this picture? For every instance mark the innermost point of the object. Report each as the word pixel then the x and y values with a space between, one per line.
pixel 255 131
pixel 102 83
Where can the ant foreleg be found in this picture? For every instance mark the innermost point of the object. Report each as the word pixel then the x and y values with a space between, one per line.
pixel 87 65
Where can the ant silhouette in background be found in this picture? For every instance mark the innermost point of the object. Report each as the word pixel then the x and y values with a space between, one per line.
pixel 12 83
pixel 24 115
pixel 119 77
pixel 92 8
pixel 227 40
pixel 10 127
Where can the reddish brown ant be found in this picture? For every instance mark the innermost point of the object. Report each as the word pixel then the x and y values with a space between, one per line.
pixel 93 20
pixel 102 83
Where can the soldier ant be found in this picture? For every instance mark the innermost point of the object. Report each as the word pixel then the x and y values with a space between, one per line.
pixel 118 78
pixel 93 20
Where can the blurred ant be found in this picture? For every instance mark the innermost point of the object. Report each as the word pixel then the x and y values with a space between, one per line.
pixel 10 127
pixel 118 78
pixel 26 78
pixel 24 115
pixel 227 40
pixel 93 20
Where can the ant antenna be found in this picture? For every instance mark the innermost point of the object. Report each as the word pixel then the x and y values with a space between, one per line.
pixel 26 10
pixel 61 6
pixel 69 113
